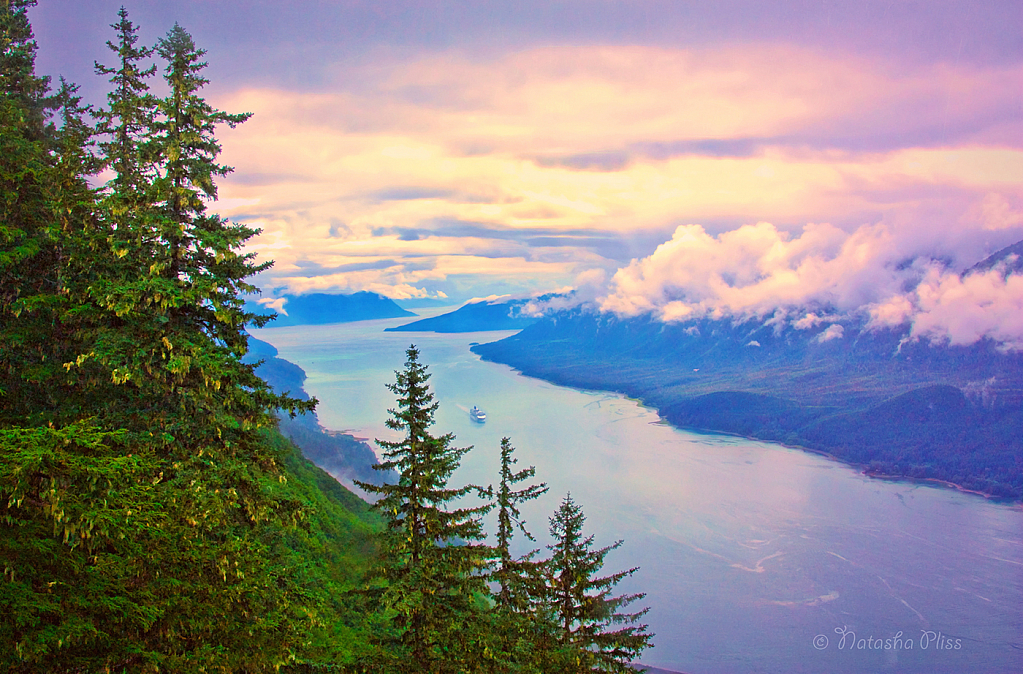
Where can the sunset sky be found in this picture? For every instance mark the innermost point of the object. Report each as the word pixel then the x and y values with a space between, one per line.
pixel 782 152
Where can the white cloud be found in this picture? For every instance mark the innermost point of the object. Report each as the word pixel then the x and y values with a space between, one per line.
pixel 947 308
pixel 833 332
pixel 275 304
pixel 757 270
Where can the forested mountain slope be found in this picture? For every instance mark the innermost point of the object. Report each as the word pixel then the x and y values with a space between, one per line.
pixel 874 397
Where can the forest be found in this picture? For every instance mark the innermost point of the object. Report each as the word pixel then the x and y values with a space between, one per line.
pixel 153 519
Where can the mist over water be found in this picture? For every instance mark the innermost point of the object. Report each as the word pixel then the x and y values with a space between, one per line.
pixel 750 552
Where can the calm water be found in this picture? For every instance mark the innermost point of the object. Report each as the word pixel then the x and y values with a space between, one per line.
pixel 748 551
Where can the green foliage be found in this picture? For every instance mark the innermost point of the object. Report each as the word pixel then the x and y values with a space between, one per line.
pixel 109 563
pixel 522 632
pixel 592 635
pixel 21 87
pixel 552 615
pixel 512 574
pixel 432 564
pixel 128 122
pixel 177 319
pixel 147 520
pixel 30 250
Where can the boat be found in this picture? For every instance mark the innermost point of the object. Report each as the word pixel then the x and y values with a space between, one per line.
pixel 477 414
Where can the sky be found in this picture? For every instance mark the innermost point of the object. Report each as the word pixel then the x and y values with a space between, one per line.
pixel 676 157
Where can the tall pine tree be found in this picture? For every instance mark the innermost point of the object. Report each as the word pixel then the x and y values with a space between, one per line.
pixel 432 560
pixel 30 249
pixel 140 507
pixel 512 573
pixel 520 631
pixel 178 338
pixel 592 635
pixel 129 120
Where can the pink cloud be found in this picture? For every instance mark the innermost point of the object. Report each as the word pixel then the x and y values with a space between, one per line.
pixel 757 270
pixel 948 308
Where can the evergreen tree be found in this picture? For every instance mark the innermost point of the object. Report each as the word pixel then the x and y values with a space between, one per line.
pixel 140 508
pixel 592 635
pixel 511 572
pixel 29 248
pixel 175 347
pixel 129 120
pixel 22 88
pixel 520 630
pixel 432 562
pixel 130 149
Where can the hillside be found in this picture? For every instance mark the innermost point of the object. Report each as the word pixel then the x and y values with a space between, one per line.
pixel 319 308
pixel 901 408
pixel 342 456
pixel 330 552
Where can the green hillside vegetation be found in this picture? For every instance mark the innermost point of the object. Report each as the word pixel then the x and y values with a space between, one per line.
pixel 341 455
pixel 152 517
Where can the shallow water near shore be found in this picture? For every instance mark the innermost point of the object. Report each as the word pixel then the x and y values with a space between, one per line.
pixel 754 557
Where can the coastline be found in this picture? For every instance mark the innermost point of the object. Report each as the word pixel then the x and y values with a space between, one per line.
pixel 864 469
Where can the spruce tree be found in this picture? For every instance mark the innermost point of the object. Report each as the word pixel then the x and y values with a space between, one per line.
pixel 520 631
pixel 177 338
pixel 130 148
pixel 140 507
pixel 29 248
pixel 432 560
pixel 592 635
pixel 60 484
pixel 512 573
pixel 129 120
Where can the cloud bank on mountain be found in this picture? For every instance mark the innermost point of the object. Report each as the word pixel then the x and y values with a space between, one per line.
pixel 886 277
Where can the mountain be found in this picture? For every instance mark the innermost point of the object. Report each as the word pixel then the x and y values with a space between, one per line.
pixel 899 407
pixel 479 316
pixel 474 317
pixel 342 456
pixel 318 309
pixel 1010 256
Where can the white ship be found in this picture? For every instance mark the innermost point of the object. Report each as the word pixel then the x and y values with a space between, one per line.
pixel 477 414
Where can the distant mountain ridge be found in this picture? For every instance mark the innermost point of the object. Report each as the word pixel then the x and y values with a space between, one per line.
pixel 1010 256
pixel 320 308
pixel 480 316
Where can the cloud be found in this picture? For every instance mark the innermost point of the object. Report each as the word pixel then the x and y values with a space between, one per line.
pixel 959 310
pixel 338 230
pixel 588 161
pixel 833 332
pixel 754 270
pixel 410 193
pixel 563 159
pixel 310 45
pixel 996 212
pixel 275 304
pixel 820 277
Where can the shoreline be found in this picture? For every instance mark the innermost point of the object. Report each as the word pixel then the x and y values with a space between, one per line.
pixel 863 469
